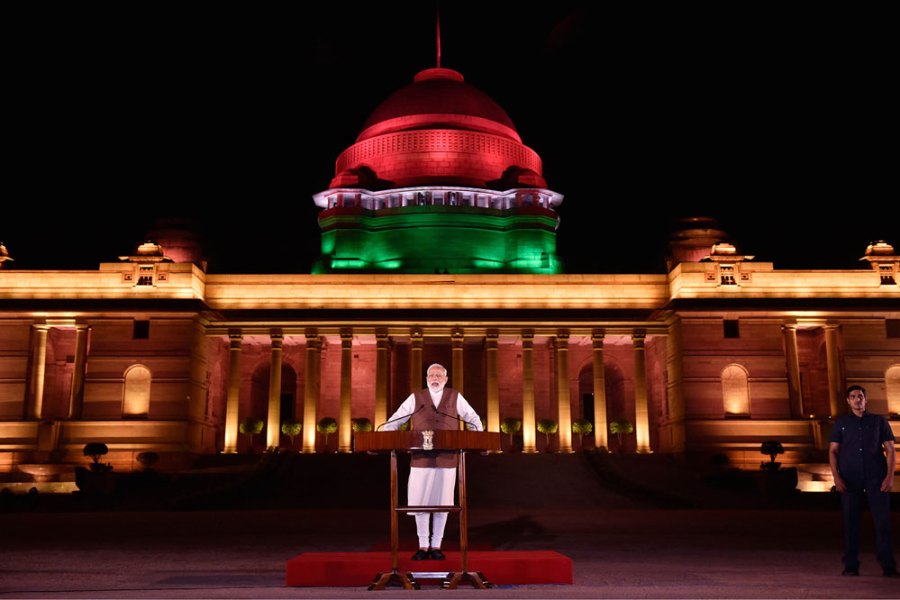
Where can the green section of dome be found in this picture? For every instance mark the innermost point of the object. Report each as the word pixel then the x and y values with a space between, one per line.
pixel 434 239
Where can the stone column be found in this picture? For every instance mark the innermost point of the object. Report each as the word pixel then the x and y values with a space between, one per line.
pixel 415 359
pixel 35 404
pixel 311 391
pixel 601 425
pixel 273 422
pixel 321 356
pixel 528 422
pixel 493 382
pixel 345 431
pixel 833 359
pixel 675 387
pixel 563 391
pixel 76 395
pixel 232 401
pixel 792 358
pixel 641 410
pixel 382 375
pixel 457 342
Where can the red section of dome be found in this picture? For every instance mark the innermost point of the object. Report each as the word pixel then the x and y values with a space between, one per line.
pixel 438 130
pixel 439 98
pixel 438 73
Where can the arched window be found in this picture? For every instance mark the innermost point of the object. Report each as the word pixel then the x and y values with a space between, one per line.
pixel 735 391
pixel 892 382
pixel 136 401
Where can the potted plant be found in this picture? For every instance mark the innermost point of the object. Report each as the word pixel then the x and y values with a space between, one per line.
pixel 511 426
pixel 360 424
pixel 582 427
pixel 148 459
pixel 291 428
pixel 771 448
pixel 95 450
pixel 621 427
pixel 326 426
pixel 98 479
pixel 547 427
pixel 250 426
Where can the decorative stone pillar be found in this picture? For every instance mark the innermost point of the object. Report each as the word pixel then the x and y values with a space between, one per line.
pixel 202 430
pixel 311 390
pixel 833 360
pixel 35 405
pixel 457 342
pixel 76 395
pixel 601 425
pixel 563 391
pixel 528 423
pixel 641 410
pixel 273 422
pixel 321 357
pixel 675 386
pixel 493 382
pixel 792 359
pixel 415 359
pixel 232 401
pixel 345 431
pixel 382 375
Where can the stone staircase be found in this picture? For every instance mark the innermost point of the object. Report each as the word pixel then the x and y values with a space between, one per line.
pixel 814 477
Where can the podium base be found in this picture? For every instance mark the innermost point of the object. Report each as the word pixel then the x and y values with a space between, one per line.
pixel 474 578
pixel 394 578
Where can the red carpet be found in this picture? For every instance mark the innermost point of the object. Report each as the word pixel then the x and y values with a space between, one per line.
pixel 341 569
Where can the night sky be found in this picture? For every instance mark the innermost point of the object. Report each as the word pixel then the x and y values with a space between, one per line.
pixel 762 119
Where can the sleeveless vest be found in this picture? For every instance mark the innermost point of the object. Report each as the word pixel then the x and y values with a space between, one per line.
pixel 425 417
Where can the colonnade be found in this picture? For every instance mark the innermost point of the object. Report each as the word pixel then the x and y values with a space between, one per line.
pixel 559 345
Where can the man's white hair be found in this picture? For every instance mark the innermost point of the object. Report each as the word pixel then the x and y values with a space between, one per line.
pixel 436 366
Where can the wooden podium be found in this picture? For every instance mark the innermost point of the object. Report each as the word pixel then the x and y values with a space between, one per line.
pixel 441 439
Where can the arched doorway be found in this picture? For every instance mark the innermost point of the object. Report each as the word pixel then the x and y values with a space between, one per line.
pixel 615 399
pixel 259 399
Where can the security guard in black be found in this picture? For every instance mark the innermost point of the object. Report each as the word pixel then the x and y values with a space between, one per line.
pixel 862 459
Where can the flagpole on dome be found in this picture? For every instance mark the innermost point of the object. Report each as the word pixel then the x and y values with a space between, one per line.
pixel 437 15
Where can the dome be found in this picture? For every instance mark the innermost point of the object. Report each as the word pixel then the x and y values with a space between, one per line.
pixel 439 98
pixel 692 239
pixel 438 130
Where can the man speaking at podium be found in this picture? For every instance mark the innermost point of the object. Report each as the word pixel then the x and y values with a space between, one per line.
pixel 432 474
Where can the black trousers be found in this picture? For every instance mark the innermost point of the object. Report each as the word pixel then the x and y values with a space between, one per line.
pixel 880 507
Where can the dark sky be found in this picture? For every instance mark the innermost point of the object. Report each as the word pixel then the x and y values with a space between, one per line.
pixel 773 121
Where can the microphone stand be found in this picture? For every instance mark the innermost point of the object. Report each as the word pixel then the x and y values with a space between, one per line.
pixel 409 416
pixel 470 426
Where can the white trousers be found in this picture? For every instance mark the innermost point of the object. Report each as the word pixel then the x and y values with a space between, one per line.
pixel 430 487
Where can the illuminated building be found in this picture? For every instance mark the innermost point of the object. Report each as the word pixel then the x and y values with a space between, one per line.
pixel 438 245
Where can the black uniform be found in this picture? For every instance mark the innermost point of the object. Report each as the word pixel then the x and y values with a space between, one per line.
pixel 862 466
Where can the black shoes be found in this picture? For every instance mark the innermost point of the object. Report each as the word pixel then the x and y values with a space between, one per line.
pixel 847 571
pixel 436 554
pixel 420 554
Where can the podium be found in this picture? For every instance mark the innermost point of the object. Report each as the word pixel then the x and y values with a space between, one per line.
pixel 441 439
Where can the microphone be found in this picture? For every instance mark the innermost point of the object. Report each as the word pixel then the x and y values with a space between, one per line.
pixel 469 426
pixel 409 416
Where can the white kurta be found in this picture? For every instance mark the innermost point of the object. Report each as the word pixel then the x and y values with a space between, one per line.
pixel 432 486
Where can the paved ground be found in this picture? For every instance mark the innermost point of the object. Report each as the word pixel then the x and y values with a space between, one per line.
pixel 617 553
